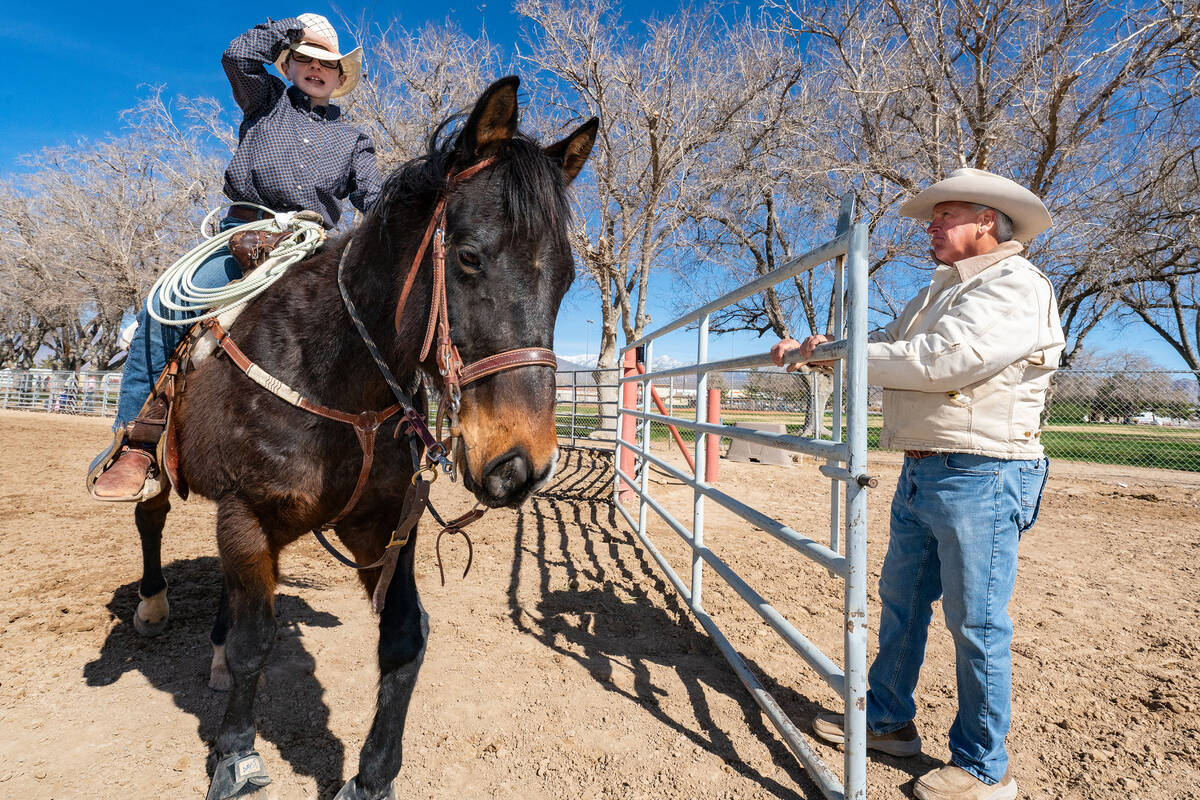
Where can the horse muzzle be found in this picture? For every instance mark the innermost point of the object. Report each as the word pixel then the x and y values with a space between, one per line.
pixel 508 479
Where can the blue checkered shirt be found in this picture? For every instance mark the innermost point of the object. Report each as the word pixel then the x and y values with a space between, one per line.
pixel 290 155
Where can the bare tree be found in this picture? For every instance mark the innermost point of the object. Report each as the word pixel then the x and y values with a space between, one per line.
pixel 1045 93
pixel 88 228
pixel 418 78
pixel 665 99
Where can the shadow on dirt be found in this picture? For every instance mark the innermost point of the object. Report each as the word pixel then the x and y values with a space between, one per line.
pixel 289 708
pixel 572 527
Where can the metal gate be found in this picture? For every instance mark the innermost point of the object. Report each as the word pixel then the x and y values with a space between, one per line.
pixel 845 464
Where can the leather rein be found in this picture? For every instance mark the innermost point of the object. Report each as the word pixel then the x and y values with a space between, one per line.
pixel 454 373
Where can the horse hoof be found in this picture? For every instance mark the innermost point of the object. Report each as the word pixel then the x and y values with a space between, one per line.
pixel 152 614
pixel 352 791
pixel 239 776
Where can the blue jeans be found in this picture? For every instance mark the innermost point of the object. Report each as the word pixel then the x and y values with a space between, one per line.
pixel 956 521
pixel 154 342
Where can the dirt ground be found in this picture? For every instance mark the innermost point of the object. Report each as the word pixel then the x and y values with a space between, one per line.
pixel 564 665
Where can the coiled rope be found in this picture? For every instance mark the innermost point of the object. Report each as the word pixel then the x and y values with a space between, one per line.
pixel 176 292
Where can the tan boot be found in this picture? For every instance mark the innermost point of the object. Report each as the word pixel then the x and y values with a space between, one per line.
pixel 954 783
pixel 901 743
pixel 133 477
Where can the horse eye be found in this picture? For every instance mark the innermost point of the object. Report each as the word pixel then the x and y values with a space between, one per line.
pixel 469 259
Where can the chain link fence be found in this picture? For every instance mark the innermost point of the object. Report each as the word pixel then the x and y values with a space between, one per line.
pixel 1141 418
pixel 1138 418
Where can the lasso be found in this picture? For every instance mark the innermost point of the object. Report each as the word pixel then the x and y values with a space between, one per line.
pixel 176 292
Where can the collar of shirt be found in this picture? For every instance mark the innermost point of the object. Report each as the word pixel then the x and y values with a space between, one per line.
pixel 970 267
pixel 302 102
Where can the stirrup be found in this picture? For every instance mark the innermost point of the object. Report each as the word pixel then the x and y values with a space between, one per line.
pixel 151 487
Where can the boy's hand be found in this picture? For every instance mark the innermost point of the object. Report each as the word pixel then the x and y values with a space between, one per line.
pixel 312 37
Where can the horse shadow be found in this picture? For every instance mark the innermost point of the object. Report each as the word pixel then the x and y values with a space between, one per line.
pixel 571 527
pixel 290 708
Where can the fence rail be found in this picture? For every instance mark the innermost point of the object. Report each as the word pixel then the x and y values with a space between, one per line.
pixel 845 455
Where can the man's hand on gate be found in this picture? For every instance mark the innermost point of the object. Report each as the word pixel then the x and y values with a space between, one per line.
pixel 785 346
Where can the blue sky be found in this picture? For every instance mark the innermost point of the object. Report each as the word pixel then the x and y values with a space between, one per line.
pixel 74 69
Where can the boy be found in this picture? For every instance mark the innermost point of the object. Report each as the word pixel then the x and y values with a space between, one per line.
pixel 294 152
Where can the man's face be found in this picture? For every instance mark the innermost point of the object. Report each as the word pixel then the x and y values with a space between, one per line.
pixel 314 78
pixel 958 231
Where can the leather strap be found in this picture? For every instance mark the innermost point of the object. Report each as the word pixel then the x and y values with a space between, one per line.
pixel 526 356
pixel 249 214
pixel 365 423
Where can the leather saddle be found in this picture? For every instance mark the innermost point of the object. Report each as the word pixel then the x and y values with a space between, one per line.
pixel 251 249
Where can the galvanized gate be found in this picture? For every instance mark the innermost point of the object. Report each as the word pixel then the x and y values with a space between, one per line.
pixel 845 464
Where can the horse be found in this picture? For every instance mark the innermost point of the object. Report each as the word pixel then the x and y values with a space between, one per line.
pixel 494 205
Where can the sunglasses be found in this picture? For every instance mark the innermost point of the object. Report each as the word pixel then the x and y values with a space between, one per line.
pixel 300 58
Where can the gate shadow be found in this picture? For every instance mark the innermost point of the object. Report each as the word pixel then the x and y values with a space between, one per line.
pixel 290 710
pixel 606 619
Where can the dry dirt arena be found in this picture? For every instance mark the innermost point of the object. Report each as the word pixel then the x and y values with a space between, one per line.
pixel 564 665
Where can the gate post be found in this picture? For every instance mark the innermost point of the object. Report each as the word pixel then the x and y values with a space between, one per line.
pixel 626 424
pixel 712 444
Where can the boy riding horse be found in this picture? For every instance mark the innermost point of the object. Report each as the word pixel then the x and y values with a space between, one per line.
pixel 294 153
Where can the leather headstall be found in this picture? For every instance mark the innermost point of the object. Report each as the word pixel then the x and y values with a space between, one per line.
pixel 455 374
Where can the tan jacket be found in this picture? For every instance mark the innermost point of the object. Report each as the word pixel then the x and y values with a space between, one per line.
pixel 966 365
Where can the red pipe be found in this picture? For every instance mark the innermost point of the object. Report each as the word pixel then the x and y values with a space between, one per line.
pixel 712 444
pixel 627 424
pixel 674 431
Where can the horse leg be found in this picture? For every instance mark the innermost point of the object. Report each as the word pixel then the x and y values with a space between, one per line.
pixel 403 630
pixel 153 610
pixel 251 568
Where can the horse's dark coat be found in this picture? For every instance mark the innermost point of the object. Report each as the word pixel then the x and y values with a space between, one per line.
pixel 276 471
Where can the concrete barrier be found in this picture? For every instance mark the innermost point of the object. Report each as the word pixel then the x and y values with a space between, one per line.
pixel 741 450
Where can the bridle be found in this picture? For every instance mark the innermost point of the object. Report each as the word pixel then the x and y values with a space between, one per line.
pixel 455 375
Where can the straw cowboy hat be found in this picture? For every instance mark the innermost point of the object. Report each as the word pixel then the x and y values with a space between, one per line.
pixel 1027 212
pixel 351 62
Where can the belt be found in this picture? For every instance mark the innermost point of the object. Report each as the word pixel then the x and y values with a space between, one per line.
pixel 249 214
pixel 920 453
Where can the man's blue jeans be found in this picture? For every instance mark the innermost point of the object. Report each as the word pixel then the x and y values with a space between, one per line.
pixel 154 342
pixel 956 521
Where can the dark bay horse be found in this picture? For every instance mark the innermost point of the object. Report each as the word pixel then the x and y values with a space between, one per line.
pixel 277 472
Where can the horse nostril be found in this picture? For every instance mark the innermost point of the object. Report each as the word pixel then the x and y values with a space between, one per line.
pixel 506 476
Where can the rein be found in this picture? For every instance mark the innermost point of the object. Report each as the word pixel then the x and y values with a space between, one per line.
pixel 455 375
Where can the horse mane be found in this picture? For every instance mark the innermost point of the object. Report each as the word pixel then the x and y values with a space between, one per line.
pixel 533 190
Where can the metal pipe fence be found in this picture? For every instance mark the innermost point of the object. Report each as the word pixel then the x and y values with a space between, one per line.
pixel 1142 418
pixel 62 392
pixel 845 455
pixel 586 411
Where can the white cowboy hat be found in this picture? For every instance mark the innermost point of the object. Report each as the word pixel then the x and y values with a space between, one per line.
pixel 351 62
pixel 1027 212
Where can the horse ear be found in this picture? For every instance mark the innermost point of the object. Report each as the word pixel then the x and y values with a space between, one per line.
pixel 573 151
pixel 493 121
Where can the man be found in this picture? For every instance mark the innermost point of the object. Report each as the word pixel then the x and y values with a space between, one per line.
pixel 294 152
pixel 965 368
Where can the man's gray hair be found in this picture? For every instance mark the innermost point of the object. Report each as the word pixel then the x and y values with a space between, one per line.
pixel 1004 225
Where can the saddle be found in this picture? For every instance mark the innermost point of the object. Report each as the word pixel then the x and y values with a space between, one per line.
pixel 251 249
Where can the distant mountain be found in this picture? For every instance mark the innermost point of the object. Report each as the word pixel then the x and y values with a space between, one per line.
pixel 575 362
